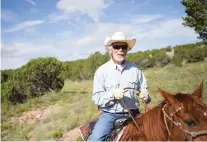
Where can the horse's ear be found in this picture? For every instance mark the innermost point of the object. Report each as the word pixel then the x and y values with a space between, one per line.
pixel 169 97
pixel 198 91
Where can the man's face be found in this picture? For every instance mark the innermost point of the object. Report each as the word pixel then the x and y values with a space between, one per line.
pixel 119 51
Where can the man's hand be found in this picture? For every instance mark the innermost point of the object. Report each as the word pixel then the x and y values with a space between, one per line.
pixel 119 93
pixel 144 96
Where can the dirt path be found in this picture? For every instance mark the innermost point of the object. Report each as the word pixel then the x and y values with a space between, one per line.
pixel 38 114
pixel 72 135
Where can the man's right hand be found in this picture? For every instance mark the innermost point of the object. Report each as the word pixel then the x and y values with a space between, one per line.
pixel 119 93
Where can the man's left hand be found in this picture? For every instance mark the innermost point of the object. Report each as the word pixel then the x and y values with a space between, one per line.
pixel 144 96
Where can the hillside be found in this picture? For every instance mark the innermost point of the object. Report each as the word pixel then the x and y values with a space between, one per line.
pixel 53 115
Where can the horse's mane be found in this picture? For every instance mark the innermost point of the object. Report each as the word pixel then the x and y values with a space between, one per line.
pixel 148 128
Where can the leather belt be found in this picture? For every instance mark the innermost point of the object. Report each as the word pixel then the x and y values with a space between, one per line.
pixel 134 112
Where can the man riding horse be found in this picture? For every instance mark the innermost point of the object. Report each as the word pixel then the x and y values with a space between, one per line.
pixel 115 86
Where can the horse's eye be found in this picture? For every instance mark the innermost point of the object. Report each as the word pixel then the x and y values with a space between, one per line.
pixel 190 122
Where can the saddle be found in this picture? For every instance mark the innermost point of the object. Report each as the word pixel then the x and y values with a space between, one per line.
pixel 118 125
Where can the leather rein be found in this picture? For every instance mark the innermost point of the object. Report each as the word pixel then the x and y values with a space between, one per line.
pixel 146 109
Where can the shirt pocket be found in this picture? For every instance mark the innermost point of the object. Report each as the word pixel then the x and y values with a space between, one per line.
pixel 133 84
pixel 111 84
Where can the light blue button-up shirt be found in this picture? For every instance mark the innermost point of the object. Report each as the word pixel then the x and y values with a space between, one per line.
pixel 108 77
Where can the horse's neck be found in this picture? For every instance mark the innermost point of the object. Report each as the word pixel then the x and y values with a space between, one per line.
pixel 151 126
pixel 157 129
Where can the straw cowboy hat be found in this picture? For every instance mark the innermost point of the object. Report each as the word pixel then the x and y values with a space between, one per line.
pixel 119 37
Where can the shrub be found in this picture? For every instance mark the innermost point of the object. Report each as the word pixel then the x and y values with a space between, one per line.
pixel 177 60
pixel 42 75
pixel 14 91
pixel 79 138
pixel 57 134
pixel 204 42
pixel 37 77
pixel 194 55
pixel 151 63
pixel 4 76
pixel 204 54
pixel 7 75
pixel 168 49
pixel 146 63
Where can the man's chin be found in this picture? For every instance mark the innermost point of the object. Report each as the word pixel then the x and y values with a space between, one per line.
pixel 119 60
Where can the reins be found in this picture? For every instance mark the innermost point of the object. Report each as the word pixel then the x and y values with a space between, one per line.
pixel 129 113
pixel 128 110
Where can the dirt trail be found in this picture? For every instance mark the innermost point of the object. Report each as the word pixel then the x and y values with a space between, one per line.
pixel 71 135
pixel 38 114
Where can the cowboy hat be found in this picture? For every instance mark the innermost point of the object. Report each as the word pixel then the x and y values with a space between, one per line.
pixel 119 37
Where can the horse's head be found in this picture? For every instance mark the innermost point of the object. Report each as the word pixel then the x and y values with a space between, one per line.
pixel 185 115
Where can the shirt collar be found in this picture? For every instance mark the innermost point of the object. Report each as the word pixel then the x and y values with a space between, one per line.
pixel 115 67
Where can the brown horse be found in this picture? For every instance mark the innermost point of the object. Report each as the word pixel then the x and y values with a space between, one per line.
pixel 179 117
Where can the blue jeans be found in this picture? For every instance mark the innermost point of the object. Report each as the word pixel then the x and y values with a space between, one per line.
pixel 104 126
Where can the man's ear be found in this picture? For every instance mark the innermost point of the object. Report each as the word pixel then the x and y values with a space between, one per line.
pixel 167 96
pixel 198 91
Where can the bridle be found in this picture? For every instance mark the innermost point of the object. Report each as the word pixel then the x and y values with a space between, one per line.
pixel 188 135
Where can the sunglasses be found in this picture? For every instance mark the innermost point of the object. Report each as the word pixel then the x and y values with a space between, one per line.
pixel 117 47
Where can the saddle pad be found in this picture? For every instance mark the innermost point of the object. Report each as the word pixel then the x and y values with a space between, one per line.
pixel 86 129
pixel 117 138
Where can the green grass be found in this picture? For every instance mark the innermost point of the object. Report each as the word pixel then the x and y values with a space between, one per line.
pixel 176 79
pixel 81 86
pixel 18 132
pixel 76 108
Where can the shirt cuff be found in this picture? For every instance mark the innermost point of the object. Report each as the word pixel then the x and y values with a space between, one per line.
pixel 110 95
